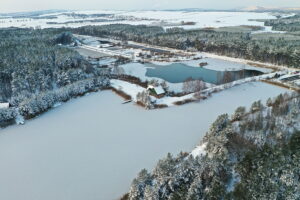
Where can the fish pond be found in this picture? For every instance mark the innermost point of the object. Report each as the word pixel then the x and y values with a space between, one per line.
pixel 179 72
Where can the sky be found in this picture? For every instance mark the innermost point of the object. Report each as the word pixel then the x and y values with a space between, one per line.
pixel 33 5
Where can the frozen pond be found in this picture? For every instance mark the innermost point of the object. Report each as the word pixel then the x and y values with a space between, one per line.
pixel 179 72
pixel 92 147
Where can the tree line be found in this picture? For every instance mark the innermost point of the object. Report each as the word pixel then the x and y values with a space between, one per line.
pixel 291 24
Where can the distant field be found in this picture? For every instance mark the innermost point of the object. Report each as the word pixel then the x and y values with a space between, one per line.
pixel 167 19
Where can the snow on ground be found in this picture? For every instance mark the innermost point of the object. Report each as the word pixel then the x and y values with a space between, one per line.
pixel 199 150
pixel 126 87
pixel 202 19
pixel 244 61
pixel 107 61
pixel 169 101
pixel 220 64
pixel 66 21
pixel 175 87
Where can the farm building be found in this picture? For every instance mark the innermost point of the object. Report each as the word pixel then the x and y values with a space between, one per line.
pixel 156 91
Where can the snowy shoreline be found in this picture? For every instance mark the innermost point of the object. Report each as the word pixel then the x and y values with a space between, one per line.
pixel 133 90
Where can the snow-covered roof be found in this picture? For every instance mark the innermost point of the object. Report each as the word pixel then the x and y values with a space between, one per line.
pixel 159 90
pixel 150 87
pixel 4 105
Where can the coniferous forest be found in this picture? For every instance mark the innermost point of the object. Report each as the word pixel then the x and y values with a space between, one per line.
pixel 36 72
pixel 249 155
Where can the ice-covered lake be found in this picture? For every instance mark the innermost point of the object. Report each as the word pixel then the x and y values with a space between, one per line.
pixel 92 147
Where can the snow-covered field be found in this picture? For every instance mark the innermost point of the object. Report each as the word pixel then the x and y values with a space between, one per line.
pixel 92 147
pixel 204 19
pixel 163 18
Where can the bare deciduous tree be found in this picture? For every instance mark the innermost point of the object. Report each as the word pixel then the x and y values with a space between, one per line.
pixel 190 85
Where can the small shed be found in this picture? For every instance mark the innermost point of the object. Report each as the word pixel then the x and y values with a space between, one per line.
pixel 4 105
pixel 158 91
